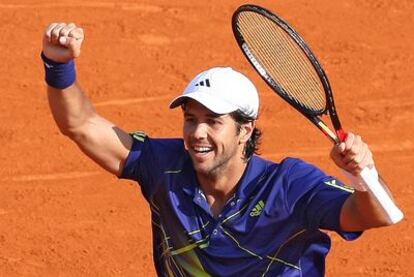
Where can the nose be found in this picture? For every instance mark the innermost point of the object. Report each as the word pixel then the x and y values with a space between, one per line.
pixel 200 131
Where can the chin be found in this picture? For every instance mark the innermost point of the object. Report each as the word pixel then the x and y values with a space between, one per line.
pixel 201 168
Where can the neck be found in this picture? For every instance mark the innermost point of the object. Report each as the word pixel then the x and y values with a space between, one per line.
pixel 220 186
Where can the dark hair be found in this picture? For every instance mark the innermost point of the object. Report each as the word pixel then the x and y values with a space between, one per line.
pixel 252 145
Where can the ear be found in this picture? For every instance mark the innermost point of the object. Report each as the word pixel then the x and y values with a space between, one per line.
pixel 246 131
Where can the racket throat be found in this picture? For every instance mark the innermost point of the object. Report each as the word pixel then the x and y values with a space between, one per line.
pixel 325 129
pixel 340 132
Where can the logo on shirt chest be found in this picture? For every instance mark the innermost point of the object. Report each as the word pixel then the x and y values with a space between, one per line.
pixel 258 208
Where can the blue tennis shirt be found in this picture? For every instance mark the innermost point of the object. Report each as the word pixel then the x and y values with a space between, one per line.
pixel 270 227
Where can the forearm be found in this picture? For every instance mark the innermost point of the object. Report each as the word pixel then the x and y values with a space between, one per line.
pixel 365 208
pixel 362 211
pixel 371 205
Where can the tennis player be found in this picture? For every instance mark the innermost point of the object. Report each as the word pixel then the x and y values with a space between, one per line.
pixel 217 208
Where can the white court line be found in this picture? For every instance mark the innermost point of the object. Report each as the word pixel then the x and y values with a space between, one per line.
pixel 52 176
pixel 120 5
pixel 121 102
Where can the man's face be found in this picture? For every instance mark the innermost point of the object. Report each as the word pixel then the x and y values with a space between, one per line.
pixel 212 140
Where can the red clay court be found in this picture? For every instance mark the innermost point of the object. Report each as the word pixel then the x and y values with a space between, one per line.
pixel 61 215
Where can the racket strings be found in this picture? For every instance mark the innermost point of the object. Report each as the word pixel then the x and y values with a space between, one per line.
pixel 291 82
pixel 283 59
pixel 292 75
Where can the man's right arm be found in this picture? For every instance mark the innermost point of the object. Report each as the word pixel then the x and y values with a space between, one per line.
pixel 73 112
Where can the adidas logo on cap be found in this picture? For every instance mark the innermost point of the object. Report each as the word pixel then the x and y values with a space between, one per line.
pixel 206 81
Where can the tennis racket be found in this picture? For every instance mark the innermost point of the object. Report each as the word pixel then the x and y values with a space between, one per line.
pixel 286 63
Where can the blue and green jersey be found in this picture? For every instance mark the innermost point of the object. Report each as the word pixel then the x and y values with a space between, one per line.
pixel 270 227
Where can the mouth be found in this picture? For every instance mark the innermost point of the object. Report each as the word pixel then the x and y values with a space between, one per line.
pixel 202 149
pixel 201 153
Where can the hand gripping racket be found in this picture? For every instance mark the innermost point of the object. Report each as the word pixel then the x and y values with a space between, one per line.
pixel 288 66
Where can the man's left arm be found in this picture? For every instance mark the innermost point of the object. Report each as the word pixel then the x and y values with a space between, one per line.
pixel 362 210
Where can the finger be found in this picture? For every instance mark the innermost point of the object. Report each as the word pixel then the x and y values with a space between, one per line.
pixel 356 145
pixel 337 156
pixel 55 32
pixel 64 41
pixel 72 44
pixel 367 160
pixel 49 29
pixel 77 33
pixel 359 161
pixel 340 147
pixel 353 150
pixel 349 141
pixel 66 29
pixel 64 34
pixel 75 40
pixel 364 159
pixel 360 156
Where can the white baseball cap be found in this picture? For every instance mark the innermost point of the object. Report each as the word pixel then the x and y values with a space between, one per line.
pixel 222 90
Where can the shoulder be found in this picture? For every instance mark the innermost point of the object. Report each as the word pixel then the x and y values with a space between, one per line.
pixel 297 167
pixel 154 154
pixel 290 162
pixel 295 176
pixel 287 167
pixel 166 145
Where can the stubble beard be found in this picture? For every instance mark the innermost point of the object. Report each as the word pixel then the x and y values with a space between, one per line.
pixel 217 166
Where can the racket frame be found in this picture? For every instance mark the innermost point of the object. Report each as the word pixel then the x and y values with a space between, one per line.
pixel 367 177
pixel 312 115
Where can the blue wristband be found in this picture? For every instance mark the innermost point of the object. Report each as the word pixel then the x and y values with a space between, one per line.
pixel 59 75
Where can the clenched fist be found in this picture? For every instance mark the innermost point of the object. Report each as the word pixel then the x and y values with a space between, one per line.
pixel 352 155
pixel 62 42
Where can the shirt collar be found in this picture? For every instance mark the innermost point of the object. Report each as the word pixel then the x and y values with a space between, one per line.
pixel 254 172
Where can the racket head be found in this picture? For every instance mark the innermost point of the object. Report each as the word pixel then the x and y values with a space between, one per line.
pixel 282 59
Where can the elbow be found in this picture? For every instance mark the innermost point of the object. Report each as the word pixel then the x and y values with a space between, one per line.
pixel 383 220
pixel 75 128
pixel 75 134
pixel 67 131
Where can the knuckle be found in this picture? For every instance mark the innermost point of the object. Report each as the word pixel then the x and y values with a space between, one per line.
pixel 55 31
pixel 354 150
pixel 359 167
pixel 50 26
pixel 63 31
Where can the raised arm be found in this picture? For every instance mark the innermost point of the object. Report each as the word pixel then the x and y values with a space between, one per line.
pixel 362 210
pixel 73 112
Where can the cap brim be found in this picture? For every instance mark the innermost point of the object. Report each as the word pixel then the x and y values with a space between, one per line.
pixel 214 104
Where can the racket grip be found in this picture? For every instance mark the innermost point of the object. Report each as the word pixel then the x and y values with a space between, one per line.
pixel 341 134
pixel 368 181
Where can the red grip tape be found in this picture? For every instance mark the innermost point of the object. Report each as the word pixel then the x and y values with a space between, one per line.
pixel 341 134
